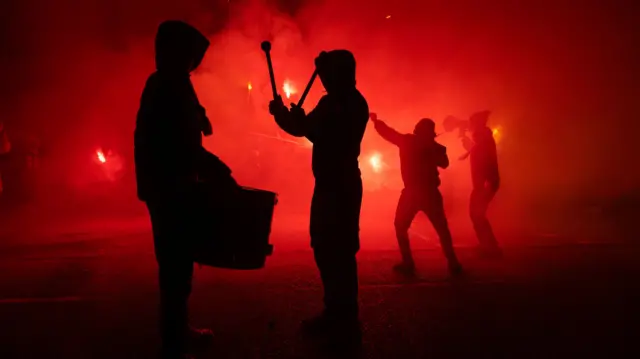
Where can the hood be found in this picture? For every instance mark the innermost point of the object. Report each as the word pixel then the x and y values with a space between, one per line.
pixel 479 120
pixel 179 47
pixel 426 128
pixel 337 70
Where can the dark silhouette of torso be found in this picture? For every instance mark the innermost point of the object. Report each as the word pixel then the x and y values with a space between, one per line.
pixel 419 162
pixel 483 158
pixel 342 120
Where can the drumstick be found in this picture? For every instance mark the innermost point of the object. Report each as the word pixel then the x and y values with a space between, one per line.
pixel 266 47
pixel 307 89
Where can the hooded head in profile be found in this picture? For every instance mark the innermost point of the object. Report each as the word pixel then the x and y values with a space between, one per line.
pixel 179 47
pixel 479 120
pixel 337 70
pixel 425 129
pixel 170 113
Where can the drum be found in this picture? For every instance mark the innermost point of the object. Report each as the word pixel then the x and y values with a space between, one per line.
pixel 235 227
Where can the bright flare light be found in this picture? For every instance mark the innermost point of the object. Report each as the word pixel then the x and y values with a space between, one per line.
pixel 101 156
pixel 249 87
pixel 288 89
pixel 497 134
pixel 376 162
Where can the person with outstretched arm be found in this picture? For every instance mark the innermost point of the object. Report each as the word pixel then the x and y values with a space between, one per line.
pixel 420 158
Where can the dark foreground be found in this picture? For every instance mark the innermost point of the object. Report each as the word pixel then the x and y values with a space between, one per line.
pixel 96 299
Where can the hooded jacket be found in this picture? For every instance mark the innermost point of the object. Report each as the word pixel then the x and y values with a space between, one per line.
pixel 169 156
pixel 483 154
pixel 420 155
pixel 336 125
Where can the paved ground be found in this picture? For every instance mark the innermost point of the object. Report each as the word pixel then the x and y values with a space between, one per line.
pixel 94 296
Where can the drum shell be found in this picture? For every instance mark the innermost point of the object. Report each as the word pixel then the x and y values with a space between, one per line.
pixel 234 228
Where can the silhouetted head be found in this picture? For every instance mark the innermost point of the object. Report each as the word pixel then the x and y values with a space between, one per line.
pixel 180 47
pixel 479 120
pixel 337 70
pixel 425 129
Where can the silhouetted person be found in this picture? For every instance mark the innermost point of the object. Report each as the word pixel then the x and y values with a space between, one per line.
pixel 170 160
pixel 335 127
pixel 420 158
pixel 481 149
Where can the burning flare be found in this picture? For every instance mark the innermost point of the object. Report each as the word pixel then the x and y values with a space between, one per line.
pixel 101 156
pixel 288 89
pixel 376 162
pixel 497 134
pixel 249 86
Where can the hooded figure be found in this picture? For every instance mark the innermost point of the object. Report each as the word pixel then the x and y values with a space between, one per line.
pixel 335 127
pixel 420 158
pixel 486 179
pixel 170 160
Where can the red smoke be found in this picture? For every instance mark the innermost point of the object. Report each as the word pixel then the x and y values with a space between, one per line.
pixel 558 79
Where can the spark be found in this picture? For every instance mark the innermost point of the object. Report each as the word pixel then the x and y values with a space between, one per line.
pixel 388 17
pixel 249 86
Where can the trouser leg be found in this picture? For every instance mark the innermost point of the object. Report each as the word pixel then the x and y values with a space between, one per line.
pixel 175 271
pixel 478 205
pixel 405 213
pixel 436 214
pixel 339 274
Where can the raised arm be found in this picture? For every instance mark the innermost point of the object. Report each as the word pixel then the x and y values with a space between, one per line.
pixel 387 132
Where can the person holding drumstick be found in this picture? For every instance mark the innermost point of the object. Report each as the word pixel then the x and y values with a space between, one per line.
pixel 335 127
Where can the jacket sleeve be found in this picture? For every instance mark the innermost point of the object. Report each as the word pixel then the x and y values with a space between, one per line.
pixel 296 123
pixel 442 160
pixel 388 133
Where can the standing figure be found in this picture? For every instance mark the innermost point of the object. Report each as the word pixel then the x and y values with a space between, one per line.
pixel 335 127
pixel 420 158
pixel 170 160
pixel 482 153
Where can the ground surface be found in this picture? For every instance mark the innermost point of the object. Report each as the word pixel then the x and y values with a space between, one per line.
pixel 91 293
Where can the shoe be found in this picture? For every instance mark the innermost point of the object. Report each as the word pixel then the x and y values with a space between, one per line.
pixel 406 269
pixel 324 324
pixel 176 356
pixel 455 269
pixel 318 325
pixel 200 337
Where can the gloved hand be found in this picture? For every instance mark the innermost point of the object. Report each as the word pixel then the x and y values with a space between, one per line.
pixel 297 112
pixel 277 107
